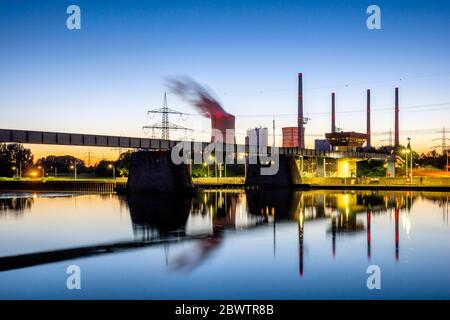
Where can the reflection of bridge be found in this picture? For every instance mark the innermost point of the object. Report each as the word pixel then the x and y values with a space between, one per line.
pixel 292 161
pixel 165 219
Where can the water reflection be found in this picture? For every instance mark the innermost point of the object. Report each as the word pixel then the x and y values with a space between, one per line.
pixel 157 216
pixel 210 214
pixel 15 205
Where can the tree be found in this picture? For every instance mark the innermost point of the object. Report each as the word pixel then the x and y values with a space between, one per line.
pixel 432 160
pixel 123 163
pixel 104 169
pixel 369 168
pixel 61 164
pixel 14 155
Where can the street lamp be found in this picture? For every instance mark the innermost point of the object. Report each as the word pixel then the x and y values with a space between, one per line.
pixel 211 159
pixel 42 170
pixel 206 165
pixel 111 166
pixel 411 157
pixel 406 151
pixel 74 167
pixel 15 169
pixel 243 156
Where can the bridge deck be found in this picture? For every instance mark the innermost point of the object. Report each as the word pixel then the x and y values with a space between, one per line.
pixel 92 140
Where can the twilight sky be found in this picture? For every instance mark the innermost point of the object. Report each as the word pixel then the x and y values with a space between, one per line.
pixel 103 78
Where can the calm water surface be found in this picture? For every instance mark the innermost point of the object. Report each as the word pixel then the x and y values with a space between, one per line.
pixel 243 245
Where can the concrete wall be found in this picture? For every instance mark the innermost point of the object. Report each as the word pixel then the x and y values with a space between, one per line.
pixel 286 176
pixel 320 167
pixel 421 181
pixel 154 171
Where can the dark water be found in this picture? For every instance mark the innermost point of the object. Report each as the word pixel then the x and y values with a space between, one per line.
pixel 243 245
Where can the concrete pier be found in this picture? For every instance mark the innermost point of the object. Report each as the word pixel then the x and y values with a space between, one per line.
pixel 320 167
pixel 287 175
pixel 154 171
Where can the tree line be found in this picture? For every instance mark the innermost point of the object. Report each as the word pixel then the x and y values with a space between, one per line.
pixel 18 161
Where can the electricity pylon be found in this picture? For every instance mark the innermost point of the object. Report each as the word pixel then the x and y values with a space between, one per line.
pixel 165 125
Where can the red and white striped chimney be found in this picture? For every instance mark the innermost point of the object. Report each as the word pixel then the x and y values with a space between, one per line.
pixel 300 119
pixel 333 112
pixel 397 130
pixel 369 140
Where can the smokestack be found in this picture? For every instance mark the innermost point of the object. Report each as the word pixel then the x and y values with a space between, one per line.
pixel 207 105
pixel 300 129
pixel 333 113
pixel 369 142
pixel 397 133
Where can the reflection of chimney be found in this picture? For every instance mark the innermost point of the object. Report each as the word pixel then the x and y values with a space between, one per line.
pixel 397 255
pixel 369 253
pixel 369 142
pixel 300 129
pixel 333 233
pixel 333 113
pixel 397 134
pixel 300 247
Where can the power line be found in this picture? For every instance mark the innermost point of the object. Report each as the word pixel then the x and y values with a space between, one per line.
pixel 342 85
pixel 439 106
pixel 165 126
pixel 443 145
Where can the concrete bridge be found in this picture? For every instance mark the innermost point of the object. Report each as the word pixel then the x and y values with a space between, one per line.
pixel 155 170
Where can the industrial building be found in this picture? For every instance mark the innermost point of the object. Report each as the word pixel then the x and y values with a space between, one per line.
pixel 290 137
pixel 346 141
pixel 335 140
pixel 257 137
pixel 322 145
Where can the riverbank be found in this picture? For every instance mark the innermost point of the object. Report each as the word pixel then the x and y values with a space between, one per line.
pixel 86 185
pixel 110 185
pixel 382 183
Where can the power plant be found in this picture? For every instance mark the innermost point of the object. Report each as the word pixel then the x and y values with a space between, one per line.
pixel 294 137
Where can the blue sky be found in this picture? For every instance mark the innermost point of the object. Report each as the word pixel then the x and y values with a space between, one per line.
pixel 103 78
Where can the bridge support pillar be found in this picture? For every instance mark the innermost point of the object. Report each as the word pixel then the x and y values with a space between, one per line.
pixel 154 171
pixel 320 167
pixel 301 165
pixel 286 176
pixel 390 167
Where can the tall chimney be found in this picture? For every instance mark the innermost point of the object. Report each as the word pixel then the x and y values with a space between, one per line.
pixel 369 142
pixel 300 129
pixel 397 133
pixel 333 113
